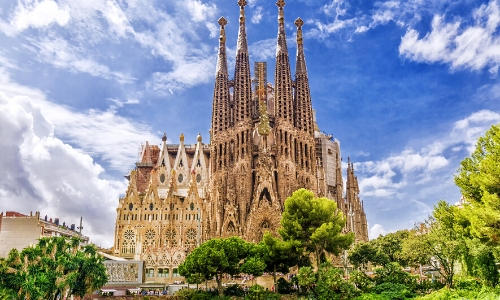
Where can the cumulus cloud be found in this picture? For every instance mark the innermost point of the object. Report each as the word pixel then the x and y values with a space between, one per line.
pixel 472 47
pixel 89 29
pixel 390 176
pixel 39 14
pixel 376 231
pixel 42 173
pixel 102 134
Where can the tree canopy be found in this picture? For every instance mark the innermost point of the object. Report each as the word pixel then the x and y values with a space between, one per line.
pixel 314 224
pixel 220 256
pixel 55 266
pixel 479 182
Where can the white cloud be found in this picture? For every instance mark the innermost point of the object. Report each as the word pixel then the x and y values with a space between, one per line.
pixel 376 231
pixel 391 175
pixel 468 130
pixel 185 74
pixel 102 134
pixel 472 47
pixel 257 15
pixel 200 12
pixel 39 14
pixel 41 173
pixel 62 55
pixel 214 30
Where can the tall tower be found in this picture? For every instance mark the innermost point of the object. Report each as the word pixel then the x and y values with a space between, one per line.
pixel 262 151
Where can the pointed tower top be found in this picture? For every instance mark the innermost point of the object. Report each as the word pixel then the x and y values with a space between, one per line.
pixel 299 24
pixel 281 31
pixel 164 137
pixel 221 61
pixel 242 45
pixel 281 15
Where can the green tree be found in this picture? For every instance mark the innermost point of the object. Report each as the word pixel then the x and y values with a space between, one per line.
pixel 479 182
pixel 314 225
pixel 390 247
pixel 362 254
pixel 217 257
pixel 54 266
pixel 441 241
pixel 278 255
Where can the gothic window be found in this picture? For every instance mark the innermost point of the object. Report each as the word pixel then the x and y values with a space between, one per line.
pixel 124 247
pixel 130 206
pixel 265 224
pixel 162 178
pixel 170 236
pixel 151 206
pixel 198 164
pixel 191 206
pixel 180 163
pixel 131 247
pixel 180 178
pixel 198 178
pixel 230 227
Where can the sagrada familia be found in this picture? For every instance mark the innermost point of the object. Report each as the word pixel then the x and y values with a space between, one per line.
pixel 264 145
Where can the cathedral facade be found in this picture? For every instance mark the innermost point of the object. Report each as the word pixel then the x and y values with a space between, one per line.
pixel 264 145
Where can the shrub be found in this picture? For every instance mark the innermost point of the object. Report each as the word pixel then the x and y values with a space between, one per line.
pixel 284 287
pixel 257 292
pixel 234 290
pixel 467 283
pixel 192 294
pixel 361 281
pixel 393 291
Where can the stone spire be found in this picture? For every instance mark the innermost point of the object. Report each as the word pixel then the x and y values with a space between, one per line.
pixel 221 107
pixel 282 74
pixel 303 106
pixel 242 79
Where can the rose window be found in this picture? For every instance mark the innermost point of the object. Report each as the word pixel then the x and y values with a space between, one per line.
pixel 150 234
pixel 191 234
pixel 129 234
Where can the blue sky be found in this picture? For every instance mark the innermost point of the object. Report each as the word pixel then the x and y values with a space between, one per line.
pixel 405 86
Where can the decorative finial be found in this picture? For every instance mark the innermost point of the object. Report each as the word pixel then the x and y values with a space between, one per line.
pixel 242 4
pixel 182 137
pixel 222 22
pixel 164 137
pixel 199 137
pixel 281 15
pixel 299 24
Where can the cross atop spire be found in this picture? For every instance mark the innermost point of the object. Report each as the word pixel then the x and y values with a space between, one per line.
pixel 242 4
pixel 299 24
pixel 281 16
pixel 222 22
